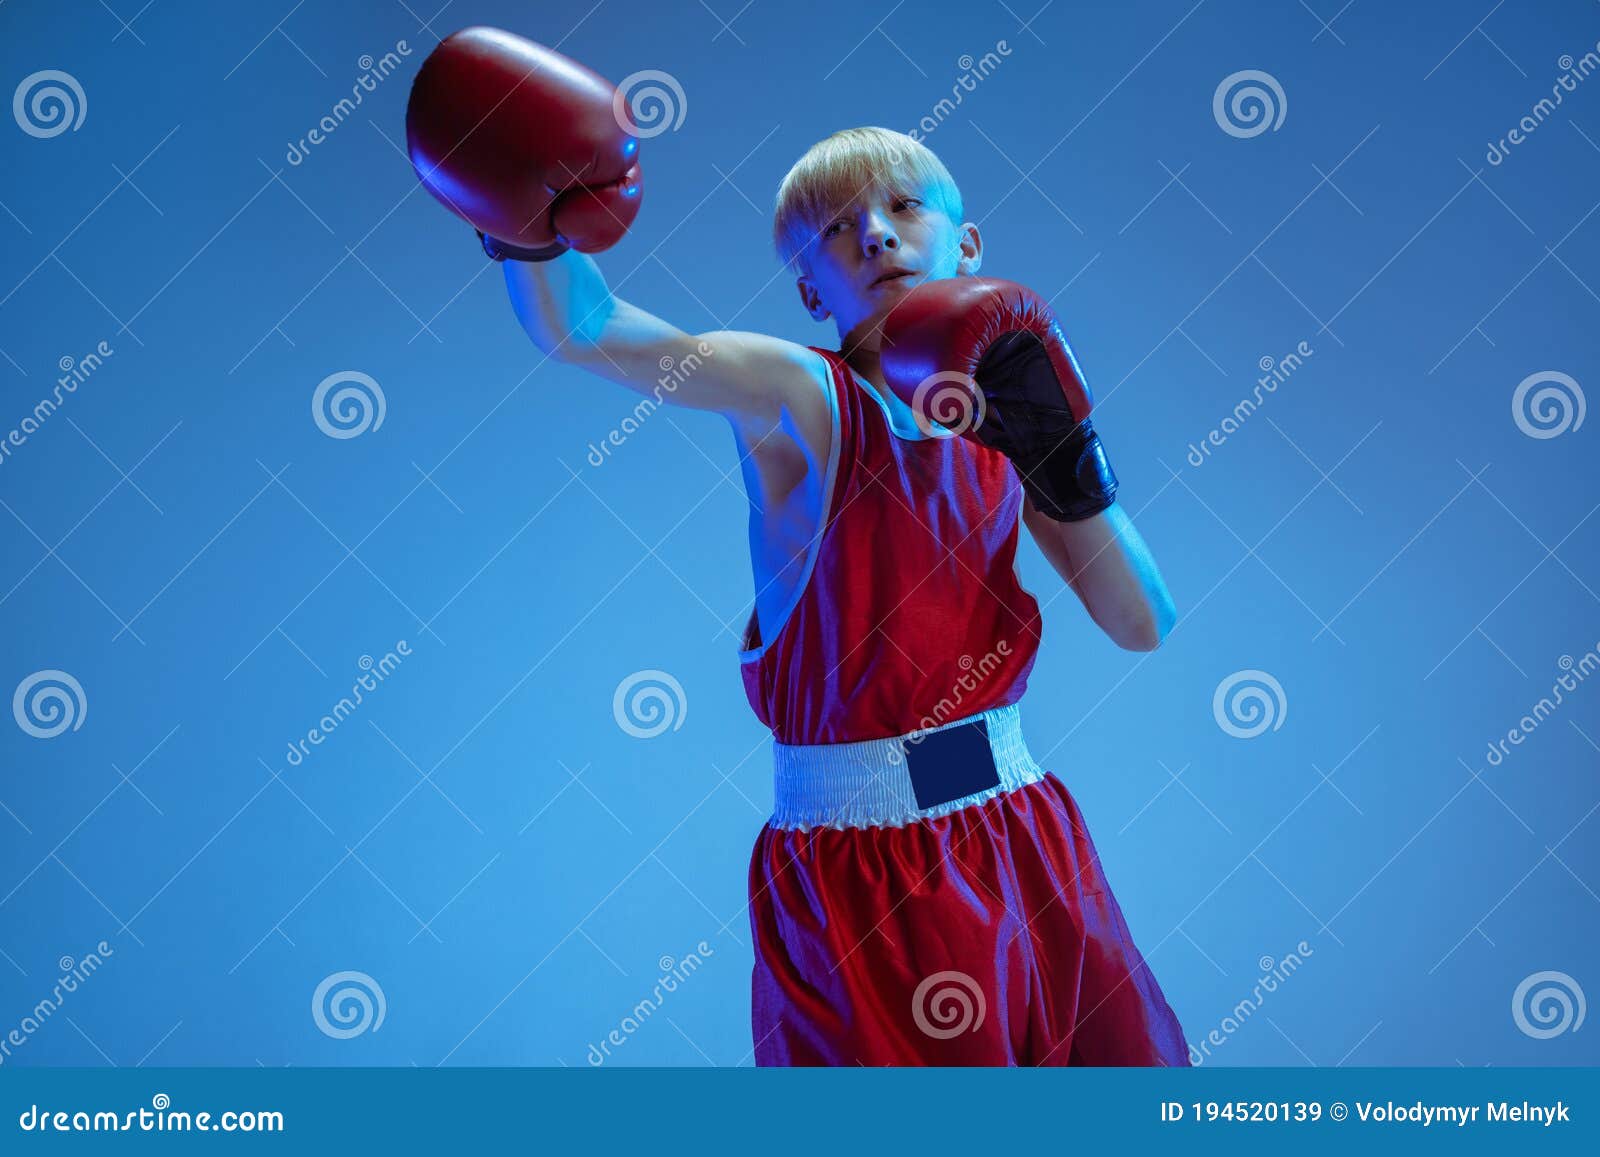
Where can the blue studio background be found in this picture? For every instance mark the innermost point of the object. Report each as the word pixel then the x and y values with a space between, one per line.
pixel 1393 557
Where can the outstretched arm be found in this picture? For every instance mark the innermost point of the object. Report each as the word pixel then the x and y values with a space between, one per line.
pixel 570 313
pixel 527 146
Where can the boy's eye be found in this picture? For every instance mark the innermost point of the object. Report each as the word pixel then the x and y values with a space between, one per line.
pixel 833 228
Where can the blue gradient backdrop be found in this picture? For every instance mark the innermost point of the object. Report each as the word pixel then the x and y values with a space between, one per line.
pixel 481 838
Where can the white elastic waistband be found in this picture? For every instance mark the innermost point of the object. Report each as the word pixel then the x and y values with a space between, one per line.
pixel 870 784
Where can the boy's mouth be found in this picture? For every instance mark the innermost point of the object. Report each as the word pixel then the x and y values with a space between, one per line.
pixel 892 275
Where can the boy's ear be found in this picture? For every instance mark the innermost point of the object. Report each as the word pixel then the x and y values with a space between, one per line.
pixel 971 249
pixel 811 299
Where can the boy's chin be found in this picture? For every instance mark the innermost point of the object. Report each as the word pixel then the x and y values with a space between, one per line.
pixel 879 299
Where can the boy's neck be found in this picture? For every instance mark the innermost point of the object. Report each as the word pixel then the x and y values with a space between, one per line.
pixel 860 350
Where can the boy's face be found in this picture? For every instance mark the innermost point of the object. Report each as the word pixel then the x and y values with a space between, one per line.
pixel 870 253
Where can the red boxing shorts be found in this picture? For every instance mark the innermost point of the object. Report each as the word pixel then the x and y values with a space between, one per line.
pixel 896 923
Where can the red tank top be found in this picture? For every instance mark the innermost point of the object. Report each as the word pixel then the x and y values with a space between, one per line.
pixel 912 614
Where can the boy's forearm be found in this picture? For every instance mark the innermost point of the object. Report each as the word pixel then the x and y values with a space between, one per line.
pixel 1106 562
pixel 563 304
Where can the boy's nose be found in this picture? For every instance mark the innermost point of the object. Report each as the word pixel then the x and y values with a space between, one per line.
pixel 876 240
pixel 878 234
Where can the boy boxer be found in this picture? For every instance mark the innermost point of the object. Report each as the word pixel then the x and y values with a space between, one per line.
pixel 924 892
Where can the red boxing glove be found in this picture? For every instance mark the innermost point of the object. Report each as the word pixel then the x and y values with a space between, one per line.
pixel 522 143
pixel 986 359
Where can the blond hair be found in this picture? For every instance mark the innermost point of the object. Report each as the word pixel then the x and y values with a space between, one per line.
pixel 839 168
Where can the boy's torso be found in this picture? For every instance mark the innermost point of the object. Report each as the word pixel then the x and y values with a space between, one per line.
pixel 785 472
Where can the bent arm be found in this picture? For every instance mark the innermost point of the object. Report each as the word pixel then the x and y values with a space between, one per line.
pixel 1111 570
pixel 571 315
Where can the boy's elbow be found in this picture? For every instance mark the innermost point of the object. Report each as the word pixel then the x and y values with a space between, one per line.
pixel 555 341
pixel 1151 630
pixel 1147 639
pixel 569 347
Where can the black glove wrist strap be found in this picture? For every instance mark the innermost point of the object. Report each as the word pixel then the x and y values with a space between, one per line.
pixel 1070 480
pixel 502 251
